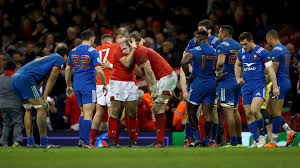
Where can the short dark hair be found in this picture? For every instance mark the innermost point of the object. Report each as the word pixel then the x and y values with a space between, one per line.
pixel 227 29
pixel 61 49
pixel 10 66
pixel 246 35
pixel 106 36
pixel 273 33
pixel 202 33
pixel 208 24
pixel 87 34
pixel 135 35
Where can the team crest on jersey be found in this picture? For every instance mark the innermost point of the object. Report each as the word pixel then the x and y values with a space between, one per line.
pixel 254 56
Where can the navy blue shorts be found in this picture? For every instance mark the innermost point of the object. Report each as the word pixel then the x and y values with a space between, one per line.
pixel 85 96
pixel 201 91
pixel 25 87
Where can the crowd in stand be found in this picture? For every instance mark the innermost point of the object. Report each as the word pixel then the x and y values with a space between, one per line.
pixel 31 29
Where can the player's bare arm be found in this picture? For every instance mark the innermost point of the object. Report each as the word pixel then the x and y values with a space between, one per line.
pixel 185 63
pixel 182 79
pixel 51 81
pixel 128 60
pixel 270 68
pixel 220 66
pixel 138 71
pixel 107 65
pixel 68 79
pixel 237 71
pixel 101 76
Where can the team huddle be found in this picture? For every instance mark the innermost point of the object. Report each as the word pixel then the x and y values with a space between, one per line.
pixel 215 72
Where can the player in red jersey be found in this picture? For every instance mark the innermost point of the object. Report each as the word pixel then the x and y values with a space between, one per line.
pixel 159 75
pixel 123 94
pixel 103 101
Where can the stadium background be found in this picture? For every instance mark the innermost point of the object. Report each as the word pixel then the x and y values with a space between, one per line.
pixel 31 28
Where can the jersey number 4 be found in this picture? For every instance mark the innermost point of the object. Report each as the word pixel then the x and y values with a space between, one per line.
pixel 103 60
pixel 81 61
pixel 204 57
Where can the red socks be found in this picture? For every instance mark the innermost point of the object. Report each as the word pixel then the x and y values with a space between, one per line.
pixel 93 135
pixel 132 126
pixel 112 127
pixel 160 125
pixel 119 129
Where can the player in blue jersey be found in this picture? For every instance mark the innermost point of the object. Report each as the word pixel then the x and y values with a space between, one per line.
pixel 281 58
pixel 25 84
pixel 86 63
pixel 207 26
pixel 228 91
pixel 202 79
pixel 254 60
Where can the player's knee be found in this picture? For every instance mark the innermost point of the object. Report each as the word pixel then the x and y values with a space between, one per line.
pixel 115 113
pixel 27 106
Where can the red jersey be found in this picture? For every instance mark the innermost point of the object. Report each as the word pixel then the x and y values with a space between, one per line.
pixel 120 72
pixel 159 65
pixel 106 51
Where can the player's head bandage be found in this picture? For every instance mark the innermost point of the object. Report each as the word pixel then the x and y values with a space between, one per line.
pixel 227 104
pixel 268 63
pixel 27 106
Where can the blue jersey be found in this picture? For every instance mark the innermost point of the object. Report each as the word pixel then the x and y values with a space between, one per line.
pixel 212 40
pixel 41 67
pixel 84 59
pixel 230 49
pixel 282 55
pixel 204 61
pixel 253 66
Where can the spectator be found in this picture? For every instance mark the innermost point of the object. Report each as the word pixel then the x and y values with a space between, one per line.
pixel 72 111
pixel 3 62
pixel 144 112
pixel 10 108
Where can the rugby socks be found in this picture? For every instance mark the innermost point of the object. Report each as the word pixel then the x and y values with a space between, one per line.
pixel 253 129
pixel 276 125
pixel 208 129
pixel 87 124
pixel 81 118
pixel 261 126
pixel 132 126
pixel 44 141
pixel 239 140
pixel 112 127
pixel 118 131
pixel 233 140
pixel 30 140
pixel 214 133
pixel 196 134
pixel 188 131
pixel 285 126
pixel 93 135
pixel 160 126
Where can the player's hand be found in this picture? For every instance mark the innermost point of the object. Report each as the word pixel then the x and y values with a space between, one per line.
pixel 220 76
pixel 132 44
pixel 106 65
pixel 276 92
pixel 69 91
pixel 240 81
pixel 105 90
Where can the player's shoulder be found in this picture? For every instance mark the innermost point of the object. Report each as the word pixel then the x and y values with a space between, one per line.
pixel 261 50
pixel 214 40
pixel 192 41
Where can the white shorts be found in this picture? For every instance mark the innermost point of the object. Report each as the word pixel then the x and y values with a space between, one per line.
pixel 167 84
pixel 122 90
pixel 101 98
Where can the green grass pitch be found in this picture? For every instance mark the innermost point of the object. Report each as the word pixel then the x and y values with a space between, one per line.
pixel 172 157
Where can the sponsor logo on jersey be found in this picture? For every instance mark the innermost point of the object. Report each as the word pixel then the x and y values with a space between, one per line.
pixel 248 67
pixel 258 94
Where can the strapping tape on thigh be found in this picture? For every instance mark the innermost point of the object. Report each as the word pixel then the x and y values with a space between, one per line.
pixel 44 105
pixel 27 106
pixel 161 101
pixel 227 104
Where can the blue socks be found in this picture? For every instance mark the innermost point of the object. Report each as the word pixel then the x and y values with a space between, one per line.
pixel 197 134
pixel 81 118
pixel 188 131
pixel 276 123
pixel 239 140
pixel 214 133
pixel 253 129
pixel 44 141
pixel 261 126
pixel 87 126
pixel 30 140
pixel 233 140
